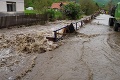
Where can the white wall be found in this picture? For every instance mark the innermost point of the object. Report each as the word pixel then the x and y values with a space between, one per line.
pixel 3 7
pixel 19 5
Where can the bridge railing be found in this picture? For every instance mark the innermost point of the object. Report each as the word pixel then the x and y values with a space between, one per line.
pixel 77 25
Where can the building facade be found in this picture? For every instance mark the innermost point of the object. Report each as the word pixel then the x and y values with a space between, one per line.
pixel 11 7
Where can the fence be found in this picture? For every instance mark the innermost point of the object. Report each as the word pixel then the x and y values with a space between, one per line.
pixel 27 20
pixel 76 25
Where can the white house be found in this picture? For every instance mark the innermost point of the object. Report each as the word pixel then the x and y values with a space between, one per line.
pixel 11 7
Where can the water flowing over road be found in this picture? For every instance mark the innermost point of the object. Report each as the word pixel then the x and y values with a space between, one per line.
pixel 93 53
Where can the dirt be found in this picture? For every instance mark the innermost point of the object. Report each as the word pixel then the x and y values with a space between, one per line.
pixel 92 53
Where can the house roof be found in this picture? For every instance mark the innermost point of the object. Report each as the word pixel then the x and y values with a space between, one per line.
pixel 57 5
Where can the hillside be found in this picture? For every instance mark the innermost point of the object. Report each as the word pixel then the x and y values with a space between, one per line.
pixel 104 2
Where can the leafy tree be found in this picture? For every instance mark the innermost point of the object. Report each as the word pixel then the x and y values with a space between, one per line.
pixel 72 10
pixel 51 14
pixel 41 5
pixel 109 5
pixel 88 6
pixel 59 0
pixel 28 3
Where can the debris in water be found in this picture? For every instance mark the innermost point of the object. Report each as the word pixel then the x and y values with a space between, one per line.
pixel 29 43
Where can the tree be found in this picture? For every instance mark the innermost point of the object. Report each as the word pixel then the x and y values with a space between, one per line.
pixel 41 5
pixel 59 0
pixel 109 5
pixel 28 3
pixel 71 10
pixel 88 6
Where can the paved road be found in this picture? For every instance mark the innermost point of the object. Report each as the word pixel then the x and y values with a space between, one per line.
pixel 91 54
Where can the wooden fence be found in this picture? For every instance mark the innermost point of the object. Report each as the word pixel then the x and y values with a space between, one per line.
pixel 27 20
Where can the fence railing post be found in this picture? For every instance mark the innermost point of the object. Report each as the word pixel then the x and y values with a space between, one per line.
pixel 76 25
pixel 55 36
pixel 81 23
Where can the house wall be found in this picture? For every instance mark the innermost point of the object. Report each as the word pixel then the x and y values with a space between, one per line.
pixel 19 6
pixel 3 7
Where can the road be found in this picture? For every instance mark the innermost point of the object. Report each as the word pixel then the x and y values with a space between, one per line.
pixel 93 53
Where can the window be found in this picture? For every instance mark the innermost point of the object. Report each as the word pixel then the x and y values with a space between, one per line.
pixel 11 6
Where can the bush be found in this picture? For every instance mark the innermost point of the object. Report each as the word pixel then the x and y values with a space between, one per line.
pixel 59 15
pixel 54 15
pixel 51 14
pixel 72 10
pixel 29 12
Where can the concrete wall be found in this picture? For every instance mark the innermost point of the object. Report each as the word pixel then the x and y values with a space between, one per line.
pixel 3 7
pixel 19 6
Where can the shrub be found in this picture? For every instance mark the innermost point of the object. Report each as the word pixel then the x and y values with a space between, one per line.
pixel 59 15
pixel 29 12
pixel 51 14
pixel 72 10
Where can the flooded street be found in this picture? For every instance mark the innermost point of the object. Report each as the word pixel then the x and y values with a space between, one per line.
pixel 93 53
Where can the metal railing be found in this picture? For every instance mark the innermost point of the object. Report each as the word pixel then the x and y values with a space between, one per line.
pixel 76 25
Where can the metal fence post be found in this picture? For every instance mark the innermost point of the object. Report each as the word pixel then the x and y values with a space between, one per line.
pixel 76 25
pixel 55 36
pixel 81 23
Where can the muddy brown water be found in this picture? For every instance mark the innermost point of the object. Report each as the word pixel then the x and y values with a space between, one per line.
pixel 93 53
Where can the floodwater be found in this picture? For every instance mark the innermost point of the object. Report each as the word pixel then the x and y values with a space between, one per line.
pixel 93 53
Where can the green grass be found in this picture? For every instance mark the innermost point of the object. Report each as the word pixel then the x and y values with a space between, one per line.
pixel 29 11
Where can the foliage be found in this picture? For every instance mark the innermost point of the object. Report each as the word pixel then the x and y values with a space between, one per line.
pixel 41 5
pixel 28 3
pixel 71 10
pixel 59 0
pixel 59 15
pixel 51 14
pixel 110 4
pixel 107 1
pixel 88 6
pixel 29 11
pixel 38 5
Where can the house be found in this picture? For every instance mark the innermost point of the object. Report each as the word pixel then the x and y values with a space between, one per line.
pixel 57 6
pixel 11 7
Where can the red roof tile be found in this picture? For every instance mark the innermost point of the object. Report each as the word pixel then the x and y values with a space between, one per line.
pixel 56 5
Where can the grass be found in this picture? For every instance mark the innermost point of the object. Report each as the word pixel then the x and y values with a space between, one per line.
pixel 29 11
